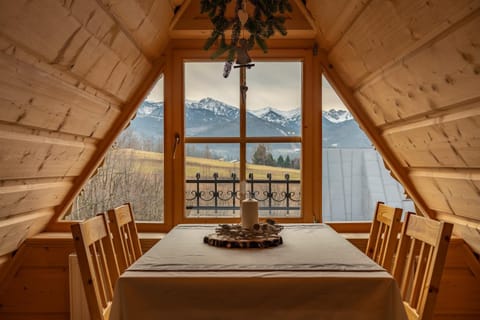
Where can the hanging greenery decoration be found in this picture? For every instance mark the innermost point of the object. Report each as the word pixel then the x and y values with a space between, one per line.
pixel 267 18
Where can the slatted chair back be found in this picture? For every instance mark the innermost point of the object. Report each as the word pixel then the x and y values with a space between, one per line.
pixel 383 237
pixel 125 235
pixel 98 264
pixel 419 263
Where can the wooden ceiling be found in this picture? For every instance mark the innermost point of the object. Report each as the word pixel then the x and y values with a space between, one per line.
pixel 189 23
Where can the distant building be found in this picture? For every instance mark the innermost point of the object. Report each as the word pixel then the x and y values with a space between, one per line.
pixel 353 180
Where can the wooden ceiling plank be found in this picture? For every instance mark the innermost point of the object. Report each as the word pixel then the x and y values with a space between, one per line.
pixel 30 97
pixel 73 47
pixel 13 231
pixel 455 112
pixel 147 26
pixel 176 18
pixel 83 89
pixel 30 155
pixel 334 18
pixel 441 75
pixel 306 15
pixel 440 155
pixel 455 143
pixel 389 30
pixel 447 173
pixel 419 46
pixel 458 197
pixel 104 29
pixel 24 198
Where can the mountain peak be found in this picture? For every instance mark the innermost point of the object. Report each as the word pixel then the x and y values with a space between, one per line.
pixel 337 115
pixel 218 108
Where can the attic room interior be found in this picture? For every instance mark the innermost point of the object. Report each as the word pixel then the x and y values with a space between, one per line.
pixel 260 159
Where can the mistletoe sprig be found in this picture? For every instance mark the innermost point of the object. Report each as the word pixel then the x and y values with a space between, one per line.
pixel 266 19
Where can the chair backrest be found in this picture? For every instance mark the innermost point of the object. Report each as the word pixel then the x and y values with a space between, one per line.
pixel 419 263
pixel 383 237
pixel 125 235
pixel 97 262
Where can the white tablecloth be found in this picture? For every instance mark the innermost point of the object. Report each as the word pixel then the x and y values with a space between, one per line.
pixel 315 274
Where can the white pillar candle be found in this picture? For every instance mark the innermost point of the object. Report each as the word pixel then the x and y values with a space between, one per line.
pixel 249 213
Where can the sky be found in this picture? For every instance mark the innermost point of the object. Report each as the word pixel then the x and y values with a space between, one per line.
pixel 273 84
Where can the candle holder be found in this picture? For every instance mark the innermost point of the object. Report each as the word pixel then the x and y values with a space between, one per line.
pixel 249 213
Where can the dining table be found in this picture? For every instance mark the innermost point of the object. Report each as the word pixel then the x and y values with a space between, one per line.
pixel 314 274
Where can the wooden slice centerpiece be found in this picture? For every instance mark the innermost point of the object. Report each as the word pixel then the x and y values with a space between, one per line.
pixel 262 235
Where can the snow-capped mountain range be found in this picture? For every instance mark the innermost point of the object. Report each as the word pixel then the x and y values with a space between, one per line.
pixel 211 118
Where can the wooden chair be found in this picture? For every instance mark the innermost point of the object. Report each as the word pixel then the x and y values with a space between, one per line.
pixel 384 232
pixel 419 263
pixel 125 235
pixel 98 264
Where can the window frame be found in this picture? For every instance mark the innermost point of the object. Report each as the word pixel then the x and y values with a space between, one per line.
pixel 311 133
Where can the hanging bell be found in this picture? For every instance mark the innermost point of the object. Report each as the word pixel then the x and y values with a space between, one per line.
pixel 242 53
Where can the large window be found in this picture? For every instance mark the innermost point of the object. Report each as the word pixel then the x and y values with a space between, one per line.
pixel 133 168
pixel 273 132
pixel 243 138
pixel 354 177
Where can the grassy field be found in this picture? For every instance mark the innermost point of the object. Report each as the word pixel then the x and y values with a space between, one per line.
pixel 151 162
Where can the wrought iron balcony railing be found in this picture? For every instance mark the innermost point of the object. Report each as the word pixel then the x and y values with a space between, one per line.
pixel 224 194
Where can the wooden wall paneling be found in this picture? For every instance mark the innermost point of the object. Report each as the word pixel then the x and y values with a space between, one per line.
pixel 333 18
pixel 38 287
pixel 146 22
pixel 446 141
pixel 13 231
pixel 37 290
pixel 54 31
pixel 32 98
pixel 5 262
pixel 36 316
pixel 38 154
pixel 459 290
pixel 28 196
pixel 40 260
pixel 445 73
pixel 451 191
pixel 388 30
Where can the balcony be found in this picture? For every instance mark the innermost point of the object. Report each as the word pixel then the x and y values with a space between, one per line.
pixel 214 196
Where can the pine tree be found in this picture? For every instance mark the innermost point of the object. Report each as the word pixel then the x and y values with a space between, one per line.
pixel 288 163
pixel 280 161
pixel 270 161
